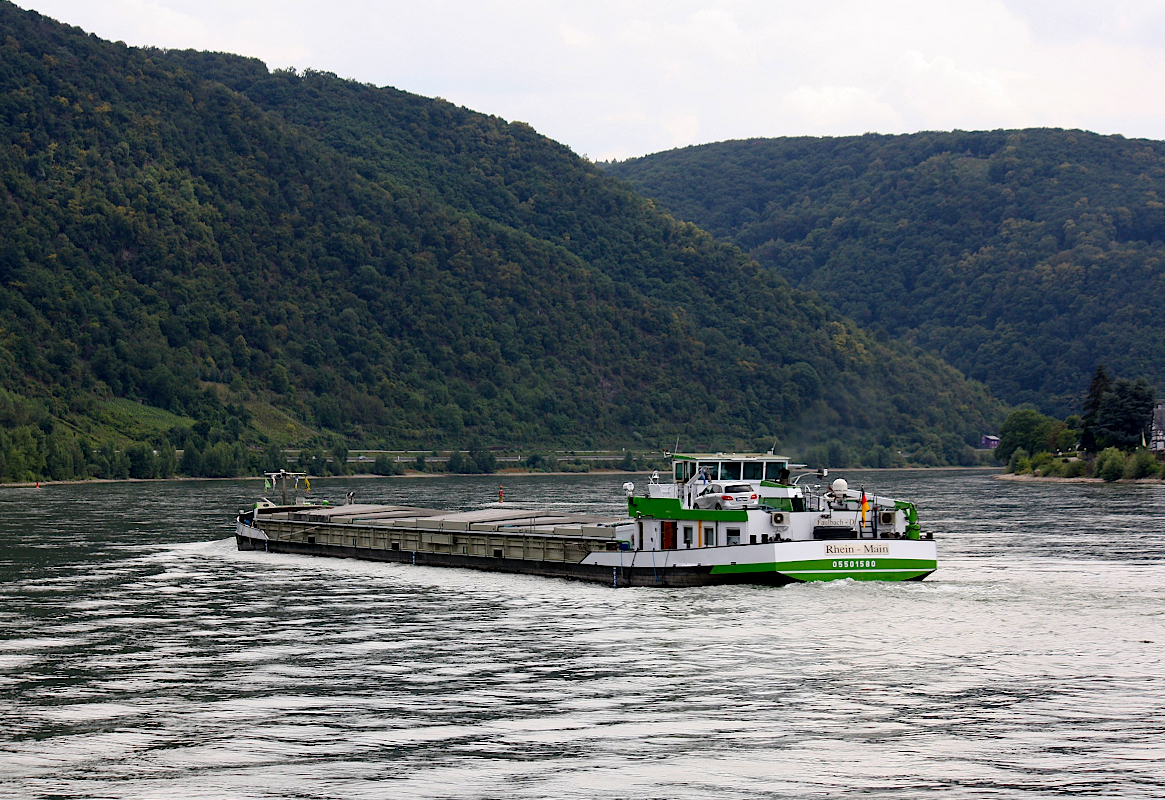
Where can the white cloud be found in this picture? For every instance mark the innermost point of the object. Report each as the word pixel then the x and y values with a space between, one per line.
pixel 683 129
pixel 1140 22
pixel 624 78
pixel 575 37
pixel 158 23
pixel 824 109
pixel 248 28
pixel 939 89
pixel 134 21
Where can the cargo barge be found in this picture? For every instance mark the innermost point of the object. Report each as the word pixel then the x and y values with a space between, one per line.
pixel 721 518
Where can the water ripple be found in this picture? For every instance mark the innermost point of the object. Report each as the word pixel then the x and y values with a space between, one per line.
pixel 143 656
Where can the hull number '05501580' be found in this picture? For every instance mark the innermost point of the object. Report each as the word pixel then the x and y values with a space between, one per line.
pixel 851 564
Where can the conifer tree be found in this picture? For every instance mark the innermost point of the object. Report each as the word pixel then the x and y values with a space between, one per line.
pixel 1097 389
pixel 1124 414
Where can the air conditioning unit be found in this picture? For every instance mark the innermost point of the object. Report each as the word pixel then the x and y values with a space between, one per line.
pixel 887 518
pixel 780 518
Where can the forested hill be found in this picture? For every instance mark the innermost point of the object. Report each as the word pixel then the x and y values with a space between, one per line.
pixel 1023 258
pixel 233 254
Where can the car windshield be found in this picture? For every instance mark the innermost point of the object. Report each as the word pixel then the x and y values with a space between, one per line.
pixel 736 488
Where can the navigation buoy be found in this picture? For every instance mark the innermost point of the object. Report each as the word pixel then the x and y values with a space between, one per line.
pixel 501 495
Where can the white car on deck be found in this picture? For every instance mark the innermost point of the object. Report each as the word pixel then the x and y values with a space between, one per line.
pixel 724 496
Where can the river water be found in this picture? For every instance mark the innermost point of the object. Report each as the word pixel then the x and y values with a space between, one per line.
pixel 142 656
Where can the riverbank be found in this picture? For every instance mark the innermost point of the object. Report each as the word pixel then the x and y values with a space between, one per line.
pixel 359 475
pixel 500 473
pixel 1027 478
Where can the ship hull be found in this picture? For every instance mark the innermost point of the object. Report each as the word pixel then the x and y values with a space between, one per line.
pixel 771 565
pixel 593 573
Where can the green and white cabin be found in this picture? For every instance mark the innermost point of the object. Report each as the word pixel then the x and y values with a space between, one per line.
pixel 677 531
pixel 791 532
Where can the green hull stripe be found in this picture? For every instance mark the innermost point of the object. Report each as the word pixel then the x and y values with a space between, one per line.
pixel 816 571
pixel 827 569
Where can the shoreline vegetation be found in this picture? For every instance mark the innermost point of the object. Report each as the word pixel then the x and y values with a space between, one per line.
pixel 502 472
pixel 1109 465
pixel 1007 476
pixel 410 474
pixel 1107 442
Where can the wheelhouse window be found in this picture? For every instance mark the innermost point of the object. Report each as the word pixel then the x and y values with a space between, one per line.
pixel 710 469
pixel 773 470
pixel 730 470
pixel 754 471
pixel 680 470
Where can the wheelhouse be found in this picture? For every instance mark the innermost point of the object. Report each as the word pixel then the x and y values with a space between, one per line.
pixel 750 467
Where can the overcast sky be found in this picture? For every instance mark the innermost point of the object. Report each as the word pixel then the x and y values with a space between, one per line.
pixel 619 79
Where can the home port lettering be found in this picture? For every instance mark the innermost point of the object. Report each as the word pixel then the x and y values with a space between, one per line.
pixel 857 549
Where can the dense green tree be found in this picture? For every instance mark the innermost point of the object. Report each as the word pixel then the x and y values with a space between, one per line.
pixel 1018 256
pixel 1019 461
pixel 1141 464
pixel 1026 429
pixel 1110 464
pixel 273 459
pixel 142 461
pixel 1098 387
pixel 386 465
pixel 312 461
pixel 1125 411
pixel 223 460
pixel 878 457
pixel 285 257
pixel 165 461
pixel 339 454
pixel 482 457
pixel 63 459
pixel 111 463
pixel 191 462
